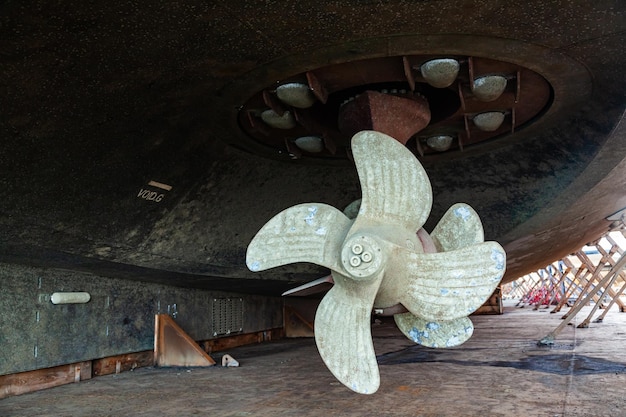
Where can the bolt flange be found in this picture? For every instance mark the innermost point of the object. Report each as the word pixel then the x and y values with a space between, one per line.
pixel 362 256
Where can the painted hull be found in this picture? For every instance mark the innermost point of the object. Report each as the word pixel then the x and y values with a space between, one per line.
pixel 122 151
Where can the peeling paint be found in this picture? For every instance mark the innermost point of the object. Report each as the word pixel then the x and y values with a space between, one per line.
pixel 311 217
pixel 498 257
pixel 321 231
pixel 453 341
pixel 432 325
pixel 255 266
pixel 462 212
pixel 417 335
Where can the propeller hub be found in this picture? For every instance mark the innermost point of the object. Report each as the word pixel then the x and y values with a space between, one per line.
pixel 362 256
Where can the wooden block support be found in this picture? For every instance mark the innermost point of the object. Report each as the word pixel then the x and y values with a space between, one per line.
pixel 174 347
pixel 230 342
pixel 122 363
pixel 25 382
pixel 296 325
pixel 493 305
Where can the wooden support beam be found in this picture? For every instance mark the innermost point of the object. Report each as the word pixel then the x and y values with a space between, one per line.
pixel 527 286
pixel 529 292
pixel 608 292
pixel 555 283
pixel 493 305
pixel 230 342
pixel 585 286
pixel 572 285
pixel 610 263
pixel 566 290
pixel 582 284
pixel 30 381
pixel 617 295
pixel 549 338
pixel 589 281
pixel 560 282
pixel 122 363
pixel 585 323
pixel 595 276
pixel 543 290
pixel 38 379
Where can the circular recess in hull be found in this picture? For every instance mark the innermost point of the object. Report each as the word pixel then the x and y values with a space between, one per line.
pixel 543 85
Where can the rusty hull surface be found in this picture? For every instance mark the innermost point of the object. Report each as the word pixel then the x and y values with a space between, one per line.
pixel 103 100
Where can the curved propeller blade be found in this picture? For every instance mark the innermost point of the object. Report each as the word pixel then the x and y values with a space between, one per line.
pixel 435 334
pixel 343 335
pixel 310 232
pixel 450 285
pixel 459 227
pixel 395 188
pixel 439 289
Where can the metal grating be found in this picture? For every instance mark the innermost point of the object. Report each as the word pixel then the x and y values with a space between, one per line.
pixel 227 316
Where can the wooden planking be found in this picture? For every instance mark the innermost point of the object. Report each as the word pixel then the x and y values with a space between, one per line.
pixel 122 363
pixel 39 379
pixel 224 343
pixel 25 382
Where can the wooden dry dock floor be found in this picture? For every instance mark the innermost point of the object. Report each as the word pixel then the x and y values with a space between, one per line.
pixel 500 371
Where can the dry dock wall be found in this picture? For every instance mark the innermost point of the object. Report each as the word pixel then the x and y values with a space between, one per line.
pixel 118 319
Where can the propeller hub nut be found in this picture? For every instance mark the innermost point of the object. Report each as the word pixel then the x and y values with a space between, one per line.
pixel 362 256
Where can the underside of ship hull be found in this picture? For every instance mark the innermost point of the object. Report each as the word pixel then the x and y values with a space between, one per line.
pixel 133 144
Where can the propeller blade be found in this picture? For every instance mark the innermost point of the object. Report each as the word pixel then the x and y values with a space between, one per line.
pixel 395 188
pixel 435 334
pixel 343 334
pixel 313 287
pixel 310 232
pixel 459 227
pixel 449 285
